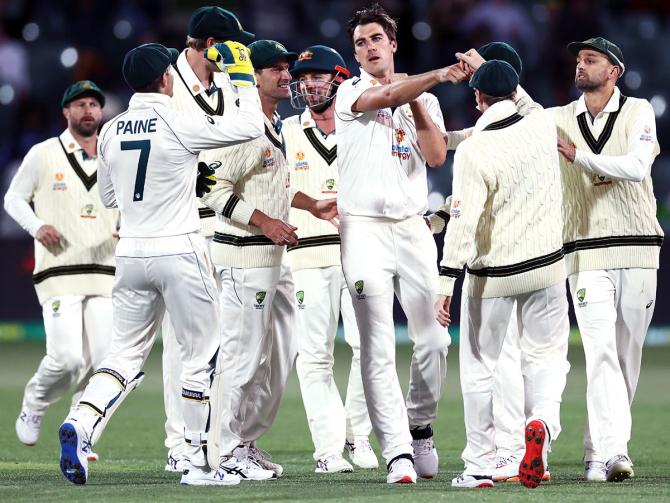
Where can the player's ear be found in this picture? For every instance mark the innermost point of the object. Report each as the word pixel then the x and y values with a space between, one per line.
pixel 210 41
pixel 394 46
pixel 66 112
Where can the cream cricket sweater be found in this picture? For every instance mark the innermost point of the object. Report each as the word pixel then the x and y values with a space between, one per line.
pixel 312 162
pixel 252 175
pixel 61 184
pixel 610 223
pixel 506 221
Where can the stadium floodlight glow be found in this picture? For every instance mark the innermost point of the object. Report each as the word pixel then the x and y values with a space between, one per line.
pixel 122 29
pixel 330 28
pixel 632 79
pixel 69 57
pixel 659 105
pixel 421 30
pixel 6 94
pixel 30 32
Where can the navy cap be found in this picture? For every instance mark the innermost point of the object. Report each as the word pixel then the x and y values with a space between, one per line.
pixel 266 52
pixel 603 45
pixel 495 78
pixel 82 88
pixel 503 52
pixel 319 58
pixel 146 63
pixel 213 21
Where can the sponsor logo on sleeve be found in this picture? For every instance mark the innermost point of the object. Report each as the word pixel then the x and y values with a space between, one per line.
pixel 455 211
pixel 646 135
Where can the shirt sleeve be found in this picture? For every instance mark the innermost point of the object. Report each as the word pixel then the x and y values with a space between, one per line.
pixel 236 162
pixel 21 191
pixel 347 94
pixel 524 103
pixel 439 220
pixel 469 195
pixel 434 110
pixel 455 138
pixel 642 149
pixel 198 132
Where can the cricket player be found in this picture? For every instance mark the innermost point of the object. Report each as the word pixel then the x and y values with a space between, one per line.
pixel 74 254
pixel 147 167
pixel 257 292
pixel 612 241
pixel 388 129
pixel 197 89
pixel 321 291
pixel 506 224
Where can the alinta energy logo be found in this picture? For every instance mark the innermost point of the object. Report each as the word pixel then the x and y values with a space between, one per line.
pixel 399 150
pixel 300 163
pixel 260 297
pixel 58 183
pixel 359 286
pixel 268 160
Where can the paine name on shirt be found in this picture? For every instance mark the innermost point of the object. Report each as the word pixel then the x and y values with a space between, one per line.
pixel 136 126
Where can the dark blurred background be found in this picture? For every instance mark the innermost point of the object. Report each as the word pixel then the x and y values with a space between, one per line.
pixel 47 45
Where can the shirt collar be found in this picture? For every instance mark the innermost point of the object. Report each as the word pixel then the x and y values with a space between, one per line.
pixel 366 76
pixel 306 120
pixel 148 100
pixel 193 83
pixel 496 112
pixel 274 125
pixel 612 104
pixel 70 144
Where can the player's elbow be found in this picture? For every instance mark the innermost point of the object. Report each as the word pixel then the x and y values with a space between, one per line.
pixel 436 159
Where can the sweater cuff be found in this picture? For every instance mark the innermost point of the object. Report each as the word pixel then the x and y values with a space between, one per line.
pixel 445 286
pixel 242 212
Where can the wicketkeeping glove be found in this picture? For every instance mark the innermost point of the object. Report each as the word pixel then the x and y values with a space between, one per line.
pixel 205 178
pixel 234 58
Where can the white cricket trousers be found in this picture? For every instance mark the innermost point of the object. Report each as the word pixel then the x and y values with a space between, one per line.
pixel 174 274
pixel 380 257
pixel 78 330
pixel 322 295
pixel 257 351
pixel 542 317
pixel 613 309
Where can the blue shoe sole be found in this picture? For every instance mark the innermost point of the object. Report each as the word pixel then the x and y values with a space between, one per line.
pixel 70 464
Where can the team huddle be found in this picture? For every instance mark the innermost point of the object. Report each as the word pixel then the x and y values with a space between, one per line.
pixel 243 238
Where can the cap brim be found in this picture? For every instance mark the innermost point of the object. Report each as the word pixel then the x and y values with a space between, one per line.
pixel 174 54
pixel 288 56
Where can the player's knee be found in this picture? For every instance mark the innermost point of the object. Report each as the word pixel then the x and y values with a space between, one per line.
pixel 438 346
pixel 62 361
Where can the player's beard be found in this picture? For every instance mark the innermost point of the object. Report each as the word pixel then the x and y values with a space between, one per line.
pixel 588 83
pixel 86 128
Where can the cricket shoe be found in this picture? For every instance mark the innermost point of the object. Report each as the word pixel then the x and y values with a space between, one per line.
pixel 507 470
pixel 74 449
pixel 425 454
pixel 466 481
pixel 595 471
pixel 264 460
pixel 175 462
pixel 361 453
pixel 534 462
pixel 401 470
pixel 194 476
pixel 619 468
pixel 28 427
pixel 334 463
pixel 244 466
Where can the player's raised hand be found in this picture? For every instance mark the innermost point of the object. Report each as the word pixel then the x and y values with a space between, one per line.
pixel 279 231
pixel 234 58
pixel 442 305
pixel 206 178
pixel 48 236
pixel 325 209
pixel 453 73
pixel 471 58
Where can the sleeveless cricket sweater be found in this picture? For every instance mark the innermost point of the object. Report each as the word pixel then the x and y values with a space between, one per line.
pixel 609 224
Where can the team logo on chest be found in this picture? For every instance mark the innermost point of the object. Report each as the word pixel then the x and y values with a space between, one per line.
pixel 399 150
pixel 88 211
pixel 268 160
pixel 300 163
pixel 58 183
pixel 328 186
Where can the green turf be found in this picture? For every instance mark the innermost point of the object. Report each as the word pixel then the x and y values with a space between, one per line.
pixel 132 454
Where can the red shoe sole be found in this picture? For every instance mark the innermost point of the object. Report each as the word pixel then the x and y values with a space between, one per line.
pixel 531 469
pixel 405 480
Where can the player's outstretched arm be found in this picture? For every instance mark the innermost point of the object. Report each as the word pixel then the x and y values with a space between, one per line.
pixel 403 91
pixel 438 221
pixel 20 193
pixel 325 209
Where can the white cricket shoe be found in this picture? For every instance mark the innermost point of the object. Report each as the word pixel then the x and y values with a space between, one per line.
pixel 595 471
pixel 194 476
pixel 401 471
pixel 244 466
pixel 425 454
pixel 619 468
pixel 175 462
pixel 472 481
pixel 74 448
pixel 507 467
pixel 264 459
pixel 334 463
pixel 361 453
pixel 28 427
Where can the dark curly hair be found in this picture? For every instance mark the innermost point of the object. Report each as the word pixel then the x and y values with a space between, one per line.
pixel 374 13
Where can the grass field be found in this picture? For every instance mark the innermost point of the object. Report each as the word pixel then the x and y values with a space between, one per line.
pixel 132 452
